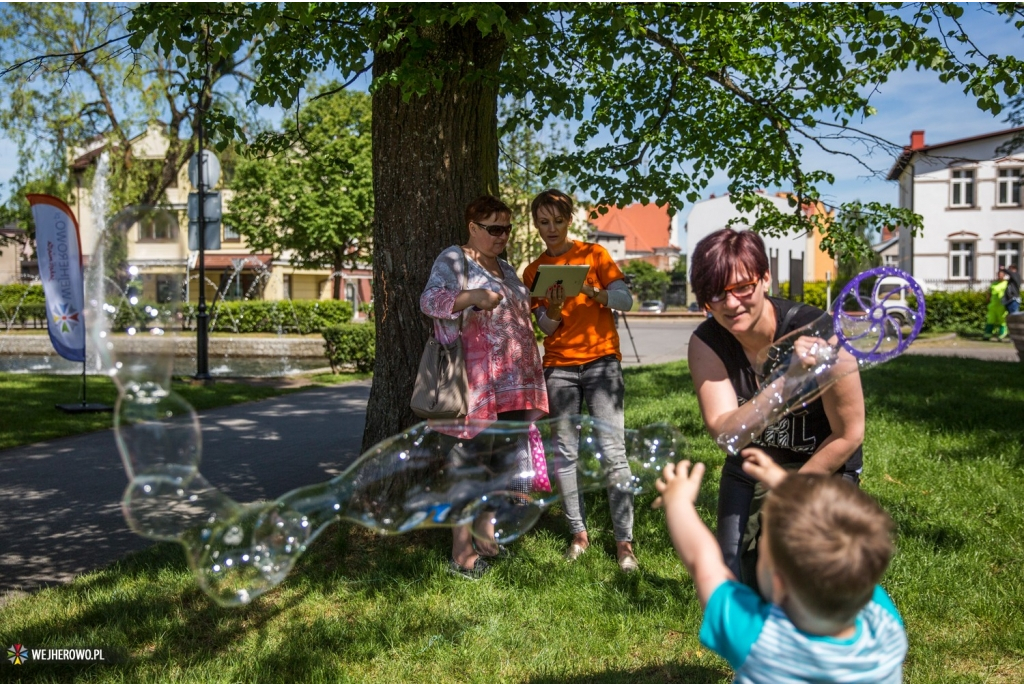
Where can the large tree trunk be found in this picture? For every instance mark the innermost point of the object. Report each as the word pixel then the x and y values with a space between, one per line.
pixel 432 155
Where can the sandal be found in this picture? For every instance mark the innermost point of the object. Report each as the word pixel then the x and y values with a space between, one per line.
pixel 480 567
pixel 628 563
pixel 575 550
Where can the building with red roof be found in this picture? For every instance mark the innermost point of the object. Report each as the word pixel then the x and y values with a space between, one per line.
pixel 637 232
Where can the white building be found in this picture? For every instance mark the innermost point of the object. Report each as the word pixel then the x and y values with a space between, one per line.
pixel 968 193
pixel 714 213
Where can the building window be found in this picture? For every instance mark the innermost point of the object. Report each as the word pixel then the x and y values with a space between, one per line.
pixel 962 188
pixel 287 286
pixel 1008 193
pixel 1007 253
pixel 168 288
pixel 231 234
pixel 961 260
pixel 244 285
pixel 158 227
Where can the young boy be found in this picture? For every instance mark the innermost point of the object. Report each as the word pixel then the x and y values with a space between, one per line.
pixel 825 544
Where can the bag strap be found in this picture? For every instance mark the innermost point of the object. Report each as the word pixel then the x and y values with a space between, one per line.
pixel 465 280
pixel 788 319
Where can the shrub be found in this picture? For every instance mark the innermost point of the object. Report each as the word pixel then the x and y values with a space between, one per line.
pixel 22 304
pixel 956 312
pixel 814 292
pixel 11 295
pixel 350 343
pixel 273 316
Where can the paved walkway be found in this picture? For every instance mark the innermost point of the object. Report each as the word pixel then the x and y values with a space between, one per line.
pixel 62 516
pixel 952 346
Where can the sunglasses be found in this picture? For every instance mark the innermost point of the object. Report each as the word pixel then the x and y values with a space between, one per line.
pixel 740 290
pixel 496 230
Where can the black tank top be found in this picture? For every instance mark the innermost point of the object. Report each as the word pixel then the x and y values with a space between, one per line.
pixel 796 437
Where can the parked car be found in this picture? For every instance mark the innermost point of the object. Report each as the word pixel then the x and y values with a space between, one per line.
pixel 652 306
pixel 694 307
pixel 893 292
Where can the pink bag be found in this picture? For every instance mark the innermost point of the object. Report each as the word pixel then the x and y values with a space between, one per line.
pixel 541 482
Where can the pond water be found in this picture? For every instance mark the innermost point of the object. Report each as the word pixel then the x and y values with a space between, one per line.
pixel 183 366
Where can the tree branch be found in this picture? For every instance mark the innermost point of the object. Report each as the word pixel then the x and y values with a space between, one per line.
pixel 78 55
pixel 344 85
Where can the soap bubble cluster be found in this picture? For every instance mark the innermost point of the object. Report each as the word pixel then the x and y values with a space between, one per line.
pixel 421 478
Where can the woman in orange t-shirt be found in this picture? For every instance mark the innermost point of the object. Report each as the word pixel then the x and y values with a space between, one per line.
pixel 582 362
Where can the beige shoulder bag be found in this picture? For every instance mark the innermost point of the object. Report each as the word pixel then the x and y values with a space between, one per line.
pixel 441 390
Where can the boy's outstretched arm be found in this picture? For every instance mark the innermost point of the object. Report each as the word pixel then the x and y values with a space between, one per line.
pixel 696 546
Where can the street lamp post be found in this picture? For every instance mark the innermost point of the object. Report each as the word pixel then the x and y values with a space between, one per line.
pixel 202 317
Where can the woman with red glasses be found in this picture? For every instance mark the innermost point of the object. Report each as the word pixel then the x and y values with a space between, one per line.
pixel 730 277
pixel 474 293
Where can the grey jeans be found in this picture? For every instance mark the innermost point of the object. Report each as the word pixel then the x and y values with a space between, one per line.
pixel 599 383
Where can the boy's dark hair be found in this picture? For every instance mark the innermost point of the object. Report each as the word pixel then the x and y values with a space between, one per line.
pixel 556 199
pixel 484 206
pixel 829 540
pixel 719 255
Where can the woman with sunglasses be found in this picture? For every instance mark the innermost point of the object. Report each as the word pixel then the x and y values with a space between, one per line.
pixel 474 293
pixel 730 277
pixel 582 363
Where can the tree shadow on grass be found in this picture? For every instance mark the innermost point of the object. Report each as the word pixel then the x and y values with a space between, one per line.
pixel 665 673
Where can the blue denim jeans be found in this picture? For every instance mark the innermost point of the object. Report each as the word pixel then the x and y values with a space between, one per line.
pixel 599 383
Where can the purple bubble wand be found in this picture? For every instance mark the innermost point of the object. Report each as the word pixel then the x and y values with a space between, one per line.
pixel 875 318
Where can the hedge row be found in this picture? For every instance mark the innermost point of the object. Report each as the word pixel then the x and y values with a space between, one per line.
pixel 814 292
pixel 273 316
pixel 946 312
pixel 22 304
pixel 351 344
pixel 248 316
pixel 959 312
pixel 19 292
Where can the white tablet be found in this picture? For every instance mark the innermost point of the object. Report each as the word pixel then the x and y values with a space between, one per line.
pixel 570 276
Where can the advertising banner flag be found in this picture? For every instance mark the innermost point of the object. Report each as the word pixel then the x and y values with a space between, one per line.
pixel 59 248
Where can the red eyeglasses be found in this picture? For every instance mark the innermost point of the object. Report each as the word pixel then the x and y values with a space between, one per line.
pixel 740 290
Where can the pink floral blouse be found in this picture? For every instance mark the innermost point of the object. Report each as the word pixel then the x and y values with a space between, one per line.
pixel 502 360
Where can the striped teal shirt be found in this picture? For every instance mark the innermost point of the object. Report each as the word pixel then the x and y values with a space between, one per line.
pixel 763 646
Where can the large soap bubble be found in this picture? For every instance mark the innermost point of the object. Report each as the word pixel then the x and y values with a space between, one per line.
pixel 421 478
pixel 875 318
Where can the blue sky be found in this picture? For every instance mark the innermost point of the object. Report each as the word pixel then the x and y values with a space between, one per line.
pixel 912 100
pixel 909 101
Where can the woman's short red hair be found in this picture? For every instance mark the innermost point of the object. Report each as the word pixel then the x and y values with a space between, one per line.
pixel 720 255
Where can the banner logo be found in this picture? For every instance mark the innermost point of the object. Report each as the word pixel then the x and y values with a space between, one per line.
pixel 65 316
pixel 17 654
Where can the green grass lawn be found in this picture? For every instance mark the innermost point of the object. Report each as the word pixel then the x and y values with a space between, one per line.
pixel 29 414
pixel 943 453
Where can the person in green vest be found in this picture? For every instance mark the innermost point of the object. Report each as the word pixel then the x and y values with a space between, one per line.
pixel 995 324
